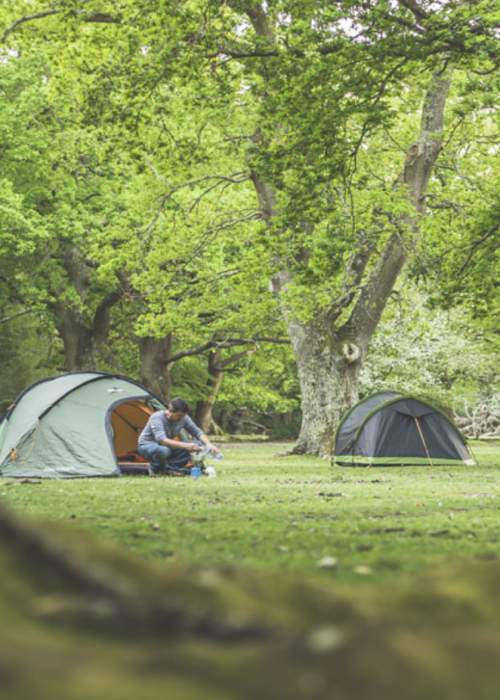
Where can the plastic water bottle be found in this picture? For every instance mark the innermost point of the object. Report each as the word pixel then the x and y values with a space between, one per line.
pixel 196 472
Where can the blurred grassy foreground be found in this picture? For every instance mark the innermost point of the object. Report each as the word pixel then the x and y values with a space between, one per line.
pixel 282 578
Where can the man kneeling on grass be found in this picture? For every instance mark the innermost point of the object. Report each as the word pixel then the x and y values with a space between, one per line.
pixel 163 444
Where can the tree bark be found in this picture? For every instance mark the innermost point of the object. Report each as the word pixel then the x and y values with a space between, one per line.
pixel 217 366
pixel 155 365
pixel 77 337
pixel 328 368
pixel 82 338
pixel 204 408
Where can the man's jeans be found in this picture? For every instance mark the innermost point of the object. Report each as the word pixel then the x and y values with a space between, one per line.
pixel 161 457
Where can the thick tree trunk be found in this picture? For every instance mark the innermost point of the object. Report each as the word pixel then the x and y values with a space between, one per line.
pixel 78 340
pixel 155 367
pixel 83 341
pixel 204 408
pixel 328 370
pixel 216 368
pixel 83 335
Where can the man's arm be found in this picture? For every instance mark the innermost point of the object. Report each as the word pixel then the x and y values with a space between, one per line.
pixel 160 436
pixel 189 446
pixel 197 433
pixel 209 444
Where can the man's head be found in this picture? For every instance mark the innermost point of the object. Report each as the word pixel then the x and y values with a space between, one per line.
pixel 176 409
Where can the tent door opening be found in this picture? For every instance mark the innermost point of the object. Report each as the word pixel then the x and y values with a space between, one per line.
pixel 127 421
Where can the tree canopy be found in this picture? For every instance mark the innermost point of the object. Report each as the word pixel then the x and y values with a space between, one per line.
pixel 202 177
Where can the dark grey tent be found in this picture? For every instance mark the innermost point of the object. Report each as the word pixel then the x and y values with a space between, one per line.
pixel 74 425
pixel 391 429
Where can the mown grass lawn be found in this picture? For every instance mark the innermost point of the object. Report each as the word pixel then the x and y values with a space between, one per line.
pixel 373 526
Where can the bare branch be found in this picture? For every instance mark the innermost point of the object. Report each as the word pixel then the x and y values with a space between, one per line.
pixel 242 53
pixel 28 18
pixel 20 313
pixel 235 178
pixel 474 247
pixel 101 18
pixel 404 23
pixel 96 17
pixel 260 21
pixel 102 315
pixel 414 8
pixel 228 343
pixel 230 361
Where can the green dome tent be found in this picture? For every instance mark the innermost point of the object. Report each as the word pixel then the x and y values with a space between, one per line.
pixel 391 429
pixel 74 425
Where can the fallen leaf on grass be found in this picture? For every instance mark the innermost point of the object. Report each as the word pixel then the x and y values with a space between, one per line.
pixel 328 563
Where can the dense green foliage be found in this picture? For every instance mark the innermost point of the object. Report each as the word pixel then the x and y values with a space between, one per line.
pixel 132 136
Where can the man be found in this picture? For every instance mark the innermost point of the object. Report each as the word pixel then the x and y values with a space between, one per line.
pixel 162 444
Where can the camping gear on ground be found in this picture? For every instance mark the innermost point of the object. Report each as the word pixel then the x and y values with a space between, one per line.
pixel 389 428
pixel 76 425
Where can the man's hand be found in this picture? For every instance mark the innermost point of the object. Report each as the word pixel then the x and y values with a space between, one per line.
pixel 213 448
pixel 190 446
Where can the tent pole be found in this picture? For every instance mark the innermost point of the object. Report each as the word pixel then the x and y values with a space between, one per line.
pixel 423 441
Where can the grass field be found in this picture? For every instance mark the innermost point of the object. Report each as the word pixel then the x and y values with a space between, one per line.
pixel 282 578
pixel 371 527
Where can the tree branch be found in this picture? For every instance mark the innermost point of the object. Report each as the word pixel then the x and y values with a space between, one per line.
pixel 6 319
pixel 96 17
pixel 228 343
pixel 475 246
pixel 101 316
pixel 28 18
pixel 414 8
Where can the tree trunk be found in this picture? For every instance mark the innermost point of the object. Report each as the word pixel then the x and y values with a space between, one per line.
pixel 328 369
pixel 79 351
pixel 204 408
pixel 83 334
pixel 155 367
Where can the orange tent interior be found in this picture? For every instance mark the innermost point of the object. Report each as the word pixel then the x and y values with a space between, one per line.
pixel 128 419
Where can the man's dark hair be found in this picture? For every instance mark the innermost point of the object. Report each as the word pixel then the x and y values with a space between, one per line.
pixel 178 406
